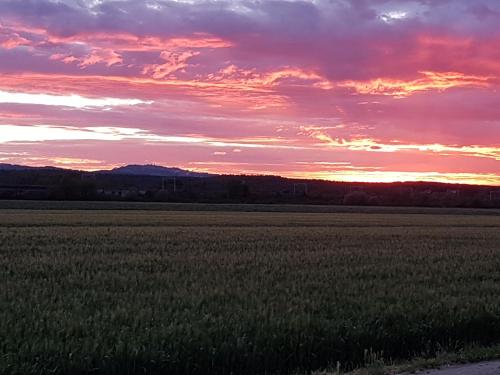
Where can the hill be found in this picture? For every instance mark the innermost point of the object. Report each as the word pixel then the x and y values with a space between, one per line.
pixel 154 170
pixel 16 167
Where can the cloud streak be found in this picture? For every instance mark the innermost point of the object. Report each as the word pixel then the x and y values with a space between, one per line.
pixel 75 101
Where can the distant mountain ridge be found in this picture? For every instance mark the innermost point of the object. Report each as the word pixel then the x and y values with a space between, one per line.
pixel 131 170
pixel 155 170
pixel 17 167
pixel 11 167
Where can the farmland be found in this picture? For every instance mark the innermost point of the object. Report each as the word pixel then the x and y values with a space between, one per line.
pixel 177 290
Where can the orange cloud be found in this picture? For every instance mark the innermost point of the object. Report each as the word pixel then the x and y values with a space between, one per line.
pixel 307 77
pixel 133 43
pixel 430 81
pixel 251 78
pixel 371 145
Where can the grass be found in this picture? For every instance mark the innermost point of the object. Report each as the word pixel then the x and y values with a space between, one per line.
pixel 468 354
pixel 191 292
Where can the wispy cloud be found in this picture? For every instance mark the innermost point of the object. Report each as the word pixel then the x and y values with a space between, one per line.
pixel 42 133
pixel 75 101
pixel 372 145
pixel 439 81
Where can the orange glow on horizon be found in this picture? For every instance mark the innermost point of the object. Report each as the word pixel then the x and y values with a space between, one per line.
pixel 339 175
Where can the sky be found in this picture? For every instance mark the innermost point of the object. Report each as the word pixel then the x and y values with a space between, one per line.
pixel 358 90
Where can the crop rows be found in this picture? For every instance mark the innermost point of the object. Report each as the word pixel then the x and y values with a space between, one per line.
pixel 137 292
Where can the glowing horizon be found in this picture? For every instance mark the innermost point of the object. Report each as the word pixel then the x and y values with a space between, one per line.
pixel 371 91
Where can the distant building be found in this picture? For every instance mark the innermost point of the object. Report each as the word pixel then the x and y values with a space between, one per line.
pixel 120 193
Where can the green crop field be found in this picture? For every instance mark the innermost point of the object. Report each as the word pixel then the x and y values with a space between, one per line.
pixel 140 291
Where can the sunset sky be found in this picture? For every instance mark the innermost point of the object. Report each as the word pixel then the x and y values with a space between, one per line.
pixel 332 89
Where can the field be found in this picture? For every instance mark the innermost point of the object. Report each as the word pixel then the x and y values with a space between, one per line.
pixel 173 290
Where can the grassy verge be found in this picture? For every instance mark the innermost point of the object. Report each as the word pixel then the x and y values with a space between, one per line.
pixel 470 354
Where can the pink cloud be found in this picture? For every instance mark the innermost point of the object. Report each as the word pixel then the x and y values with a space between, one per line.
pixel 10 39
pixel 104 56
pixel 174 61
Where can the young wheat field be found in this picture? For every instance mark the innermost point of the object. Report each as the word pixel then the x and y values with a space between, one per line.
pixel 141 291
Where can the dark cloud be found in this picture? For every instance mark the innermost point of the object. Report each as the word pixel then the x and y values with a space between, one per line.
pixel 345 39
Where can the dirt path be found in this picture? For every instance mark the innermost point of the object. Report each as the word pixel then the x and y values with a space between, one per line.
pixel 481 368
